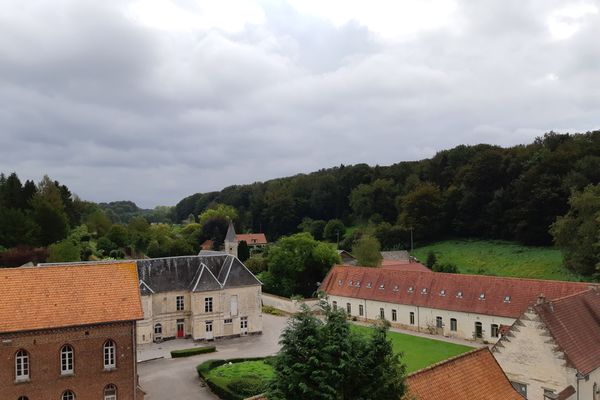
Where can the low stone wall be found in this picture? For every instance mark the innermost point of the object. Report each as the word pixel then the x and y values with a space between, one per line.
pixel 288 305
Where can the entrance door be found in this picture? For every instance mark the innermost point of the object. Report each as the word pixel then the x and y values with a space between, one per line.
pixel 244 325
pixel 478 330
pixel 180 328
pixel 209 331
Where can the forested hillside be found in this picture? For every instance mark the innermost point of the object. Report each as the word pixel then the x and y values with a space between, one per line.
pixel 479 191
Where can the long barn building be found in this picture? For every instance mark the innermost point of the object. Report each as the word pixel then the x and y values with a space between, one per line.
pixel 474 307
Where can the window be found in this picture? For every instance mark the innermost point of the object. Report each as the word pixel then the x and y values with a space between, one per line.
pixel 244 322
pixel 382 286
pixel 334 305
pixel 66 360
pixel 350 283
pixel 412 318
pixel 453 325
pixel 411 289
pixel 459 295
pixel 549 394
pixel 357 284
pixel 109 354
pixel 439 323
pixel 424 291
pixel 520 387
pixel 180 304
pixel 208 304
pixel 110 392
pixel 443 292
pixel 478 330
pixel 340 282
pixel 381 313
pixel 482 296
pixel 349 308
pixel 361 310
pixel 228 321
pixel 494 330
pixel 22 365
pixel 158 329
pixel 22 398
pixel 396 288
pixel 369 285
pixel 394 315
pixel 67 395
pixel 507 299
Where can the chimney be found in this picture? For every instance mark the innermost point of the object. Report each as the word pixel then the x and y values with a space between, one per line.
pixel 541 299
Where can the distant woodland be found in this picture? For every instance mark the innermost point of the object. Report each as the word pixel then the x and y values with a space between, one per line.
pixel 479 191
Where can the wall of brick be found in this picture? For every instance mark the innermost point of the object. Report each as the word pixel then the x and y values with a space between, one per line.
pixel 89 378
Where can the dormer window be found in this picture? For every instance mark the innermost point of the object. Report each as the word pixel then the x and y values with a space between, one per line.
pixel 396 288
pixel 340 282
pixel 381 287
pixel 459 295
pixel 507 299
pixel 357 284
pixel 424 291
pixel 369 285
pixel 443 292
pixel 411 289
pixel 482 296
pixel 350 283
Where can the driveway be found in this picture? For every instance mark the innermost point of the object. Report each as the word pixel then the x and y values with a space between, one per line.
pixel 176 378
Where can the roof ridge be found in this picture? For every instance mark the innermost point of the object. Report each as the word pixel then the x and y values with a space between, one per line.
pixel 448 360
pixel 568 296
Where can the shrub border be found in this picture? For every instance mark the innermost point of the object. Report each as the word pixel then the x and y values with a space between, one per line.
pixel 192 351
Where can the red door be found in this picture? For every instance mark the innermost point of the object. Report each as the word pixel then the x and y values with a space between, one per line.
pixel 180 329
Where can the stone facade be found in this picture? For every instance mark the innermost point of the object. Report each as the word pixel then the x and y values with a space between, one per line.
pixel 202 297
pixel 89 377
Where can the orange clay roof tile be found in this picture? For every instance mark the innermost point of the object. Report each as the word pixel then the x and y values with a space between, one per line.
pixel 475 376
pixel 68 295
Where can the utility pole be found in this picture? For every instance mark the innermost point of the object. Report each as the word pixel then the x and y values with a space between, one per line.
pixel 337 233
pixel 411 241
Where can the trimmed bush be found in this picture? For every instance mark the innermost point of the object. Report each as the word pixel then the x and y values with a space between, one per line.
pixel 192 351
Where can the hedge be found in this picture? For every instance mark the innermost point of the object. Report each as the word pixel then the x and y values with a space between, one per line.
pixel 192 351
pixel 223 392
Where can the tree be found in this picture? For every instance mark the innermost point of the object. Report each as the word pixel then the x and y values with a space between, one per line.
pixel 314 227
pixel 378 197
pixel 578 232
pixel 422 210
pixel 296 264
pixel 17 228
pixel 64 251
pixel 327 360
pixel 98 223
pixel 218 211
pixel 334 230
pixel 431 259
pixel 256 264
pixel 367 251
pixel 243 251
pixel 119 235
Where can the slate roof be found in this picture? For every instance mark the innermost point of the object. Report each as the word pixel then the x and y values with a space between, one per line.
pixel 507 297
pixel 60 296
pixel 474 375
pixel 194 273
pixel 230 236
pixel 574 323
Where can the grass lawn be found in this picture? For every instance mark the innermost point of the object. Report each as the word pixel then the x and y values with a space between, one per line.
pixel 255 373
pixel 419 352
pixel 499 258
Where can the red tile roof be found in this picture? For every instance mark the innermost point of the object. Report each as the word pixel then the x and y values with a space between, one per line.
pixel 207 245
pixel 398 265
pixel 574 323
pixel 507 297
pixel 252 238
pixel 68 295
pixel 474 375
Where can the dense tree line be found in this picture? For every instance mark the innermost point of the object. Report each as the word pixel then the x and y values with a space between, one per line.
pixel 480 191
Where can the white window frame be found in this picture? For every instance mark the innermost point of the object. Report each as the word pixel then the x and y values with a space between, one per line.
pixel 439 322
pixel 180 303
pixel 453 325
pixel 381 313
pixel 158 329
pixel 109 352
pixel 66 360
pixel 361 310
pixel 107 392
pixel 495 330
pixel 243 322
pixel 68 395
pixel 208 304
pixel 22 365
pixel 394 315
pixel 349 308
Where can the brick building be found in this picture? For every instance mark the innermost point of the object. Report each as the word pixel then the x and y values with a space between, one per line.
pixel 68 332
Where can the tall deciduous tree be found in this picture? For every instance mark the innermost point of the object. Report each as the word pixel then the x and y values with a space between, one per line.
pixel 367 251
pixel 578 232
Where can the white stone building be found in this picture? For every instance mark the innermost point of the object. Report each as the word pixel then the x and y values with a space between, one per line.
pixel 465 306
pixel 553 350
pixel 203 297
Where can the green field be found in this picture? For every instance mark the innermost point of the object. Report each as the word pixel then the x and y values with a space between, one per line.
pixel 499 258
pixel 418 352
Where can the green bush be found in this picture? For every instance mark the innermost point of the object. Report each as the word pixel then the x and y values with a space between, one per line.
pixel 193 351
pixel 271 310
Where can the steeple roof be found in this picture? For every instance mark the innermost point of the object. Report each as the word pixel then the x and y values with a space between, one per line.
pixel 230 237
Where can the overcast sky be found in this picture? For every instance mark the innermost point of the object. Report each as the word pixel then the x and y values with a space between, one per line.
pixel 155 100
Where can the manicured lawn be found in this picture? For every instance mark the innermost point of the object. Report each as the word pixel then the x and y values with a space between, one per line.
pixel 499 258
pixel 419 352
pixel 239 380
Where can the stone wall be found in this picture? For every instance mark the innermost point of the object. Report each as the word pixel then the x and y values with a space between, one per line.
pixel 288 305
